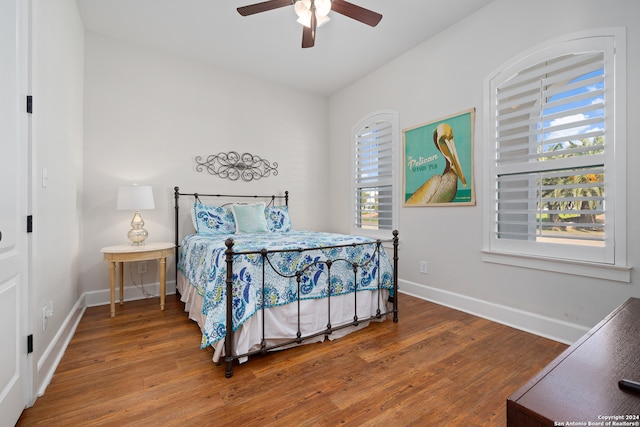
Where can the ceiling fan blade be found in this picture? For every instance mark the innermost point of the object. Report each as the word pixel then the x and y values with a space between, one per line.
pixel 356 12
pixel 263 7
pixel 309 33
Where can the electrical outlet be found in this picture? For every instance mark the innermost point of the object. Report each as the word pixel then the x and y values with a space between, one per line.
pixel 423 267
pixel 142 267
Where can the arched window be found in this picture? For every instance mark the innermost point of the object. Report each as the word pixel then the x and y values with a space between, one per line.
pixel 374 180
pixel 557 153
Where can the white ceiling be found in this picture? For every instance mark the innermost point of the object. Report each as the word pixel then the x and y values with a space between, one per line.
pixel 267 44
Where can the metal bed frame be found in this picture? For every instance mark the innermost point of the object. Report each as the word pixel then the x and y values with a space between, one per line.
pixel 230 355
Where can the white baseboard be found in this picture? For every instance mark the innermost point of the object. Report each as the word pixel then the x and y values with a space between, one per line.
pixel 131 293
pixel 546 327
pixel 48 362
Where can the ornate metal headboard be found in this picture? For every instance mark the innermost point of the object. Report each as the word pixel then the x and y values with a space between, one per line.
pixel 176 193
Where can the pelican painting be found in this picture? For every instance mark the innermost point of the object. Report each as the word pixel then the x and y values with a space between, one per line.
pixel 441 188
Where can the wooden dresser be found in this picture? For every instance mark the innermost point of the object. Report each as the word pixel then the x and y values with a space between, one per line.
pixel 580 387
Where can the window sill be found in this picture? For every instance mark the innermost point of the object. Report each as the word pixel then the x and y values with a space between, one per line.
pixel 597 271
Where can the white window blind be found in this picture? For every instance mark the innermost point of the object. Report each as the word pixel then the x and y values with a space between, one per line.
pixel 373 179
pixel 553 188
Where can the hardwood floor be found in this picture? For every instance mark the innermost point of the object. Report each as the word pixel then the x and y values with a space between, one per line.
pixel 144 367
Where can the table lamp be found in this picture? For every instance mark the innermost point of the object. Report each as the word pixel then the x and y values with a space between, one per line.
pixel 135 198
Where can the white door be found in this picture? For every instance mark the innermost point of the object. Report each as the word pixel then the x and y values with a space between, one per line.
pixel 14 370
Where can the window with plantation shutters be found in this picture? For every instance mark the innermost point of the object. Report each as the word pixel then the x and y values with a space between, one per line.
pixel 557 154
pixel 374 178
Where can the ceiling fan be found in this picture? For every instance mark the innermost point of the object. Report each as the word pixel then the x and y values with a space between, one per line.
pixel 313 14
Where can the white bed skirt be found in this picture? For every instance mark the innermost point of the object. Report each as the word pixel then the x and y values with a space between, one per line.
pixel 281 323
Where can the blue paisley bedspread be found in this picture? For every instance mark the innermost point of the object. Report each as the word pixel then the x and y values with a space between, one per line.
pixel 202 261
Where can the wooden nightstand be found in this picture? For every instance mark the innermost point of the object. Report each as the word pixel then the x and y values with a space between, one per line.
pixel 129 253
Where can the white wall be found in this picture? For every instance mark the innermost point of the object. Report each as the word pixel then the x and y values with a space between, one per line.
pixel 148 115
pixel 443 76
pixel 58 56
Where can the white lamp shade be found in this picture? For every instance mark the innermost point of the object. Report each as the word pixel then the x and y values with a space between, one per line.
pixel 135 197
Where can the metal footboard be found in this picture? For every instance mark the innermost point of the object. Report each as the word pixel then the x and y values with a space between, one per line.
pixel 381 311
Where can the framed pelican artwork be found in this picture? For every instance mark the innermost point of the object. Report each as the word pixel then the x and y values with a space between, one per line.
pixel 438 162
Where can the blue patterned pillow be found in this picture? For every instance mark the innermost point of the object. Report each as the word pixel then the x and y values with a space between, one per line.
pixel 278 218
pixel 213 220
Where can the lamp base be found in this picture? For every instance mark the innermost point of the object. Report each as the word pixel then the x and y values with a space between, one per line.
pixel 137 237
pixel 137 234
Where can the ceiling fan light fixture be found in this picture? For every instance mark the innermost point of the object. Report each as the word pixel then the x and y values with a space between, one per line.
pixel 300 7
pixel 303 10
pixel 306 20
pixel 323 7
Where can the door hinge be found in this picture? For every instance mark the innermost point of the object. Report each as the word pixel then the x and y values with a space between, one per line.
pixel 29 223
pixel 30 104
pixel 30 344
